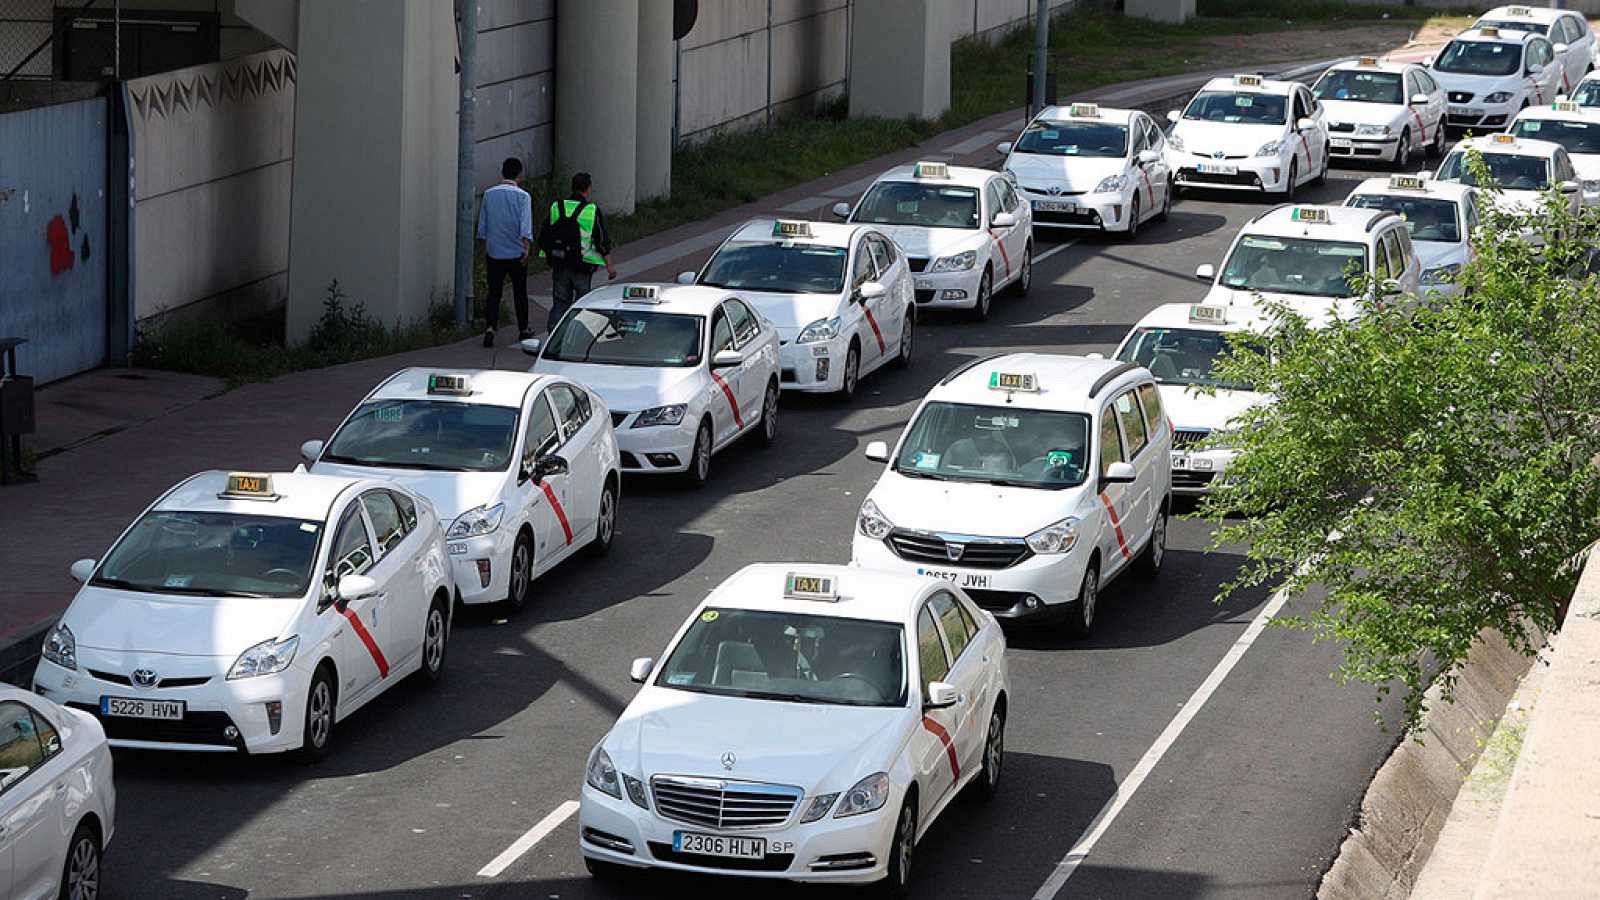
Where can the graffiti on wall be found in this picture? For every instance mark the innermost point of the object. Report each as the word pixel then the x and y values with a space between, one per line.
pixel 59 233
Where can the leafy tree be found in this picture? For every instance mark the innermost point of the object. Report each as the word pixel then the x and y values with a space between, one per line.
pixel 1429 463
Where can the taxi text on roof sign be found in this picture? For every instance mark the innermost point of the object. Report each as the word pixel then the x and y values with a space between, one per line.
pixel 810 587
pixel 249 486
pixel 1489 31
pixel 1518 11
pixel 786 228
pixel 1503 138
pixel 1247 80
pixel 1085 111
pixel 1309 214
pixel 443 383
pixel 930 170
pixel 1205 312
pixel 1367 61
pixel 1407 183
pixel 1566 106
pixel 640 293
pixel 1026 382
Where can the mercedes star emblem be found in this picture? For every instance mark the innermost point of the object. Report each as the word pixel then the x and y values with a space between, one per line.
pixel 728 760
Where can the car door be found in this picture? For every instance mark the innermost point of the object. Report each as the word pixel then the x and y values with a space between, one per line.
pixel 1311 146
pixel 543 501
pixel 1005 239
pixel 1138 517
pixel 882 313
pixel 753 371
pixel 1152 176
pixel 1116 544
pixel 895 275
pixel 33 792
pixel 853 314
pixel 356 643
pixel 727 414
pixel 1021 232
pixel 1549 77
pixel 1430 117
pixel 1580 47
pixel 969 673
pixel 1409 269
pixel 933 745
pixel 397 617
pixel 580 447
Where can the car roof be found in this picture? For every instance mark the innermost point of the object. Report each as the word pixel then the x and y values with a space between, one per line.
pixel 683 299
pixel 1541 15
pixel 1377 65
pixel 1267 85
pixel 822 234
pixel 1064 382
pixel 1344 222
pixel 1431 187
pixel 1244 316
pixel 960 176
pixel 488 387
pixel 1520 147
pixel 1549 112
pixel 868 594
pixel 1063 113
pixel 297 495
pixel 1500 36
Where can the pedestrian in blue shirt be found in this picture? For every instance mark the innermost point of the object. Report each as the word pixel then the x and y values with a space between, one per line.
pixel 505 225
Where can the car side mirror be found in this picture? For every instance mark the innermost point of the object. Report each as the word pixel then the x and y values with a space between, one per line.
pixel 1173 116
pixel 727 359
pixel 1560 48
pixel 1206 272
pixel 1003 220
pixel 872 290
pixel 1536 69
pixel 1419 99
pixel 639 671
pixel 311 451
pixel 530 346
pixel 353 588
pixel 1003 148
pixel 1119 473
pixel 1570 187
pixel 941 696
pixel 547 467
pixel 1148 157
pixel 83 570
pixel 1306 124
pixel 686 278
pixel 842 210
pixel 877 451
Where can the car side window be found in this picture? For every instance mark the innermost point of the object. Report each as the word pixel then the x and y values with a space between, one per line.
pixel 408 510
pixel 935 665
pixel 1301 110
pixel 1132 420
pixel 955 625
pixel 1563 167
pixel 996 204
pixel 1403 235
pixel 386 520
pixel 352 551
pixel 879 255
pixel 1110 440
pixel 890 253
pixel 1380 259
pixel 21 750
pixel 1008 196
pixel 1425 82
pixel 542 437
pixel 1470 214
pixel 745 326
pixel 721 332
pixel 1150 399
pixel 864 271
pixel 1410 86
pixel 565 400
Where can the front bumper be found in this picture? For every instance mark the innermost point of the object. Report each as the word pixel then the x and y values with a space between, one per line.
pixel 658 449
pixel 1195 472
pixel 1037 587
pixel 813 368
pixel 950 290
pixel 1461 116
pixel 1107 211
pixel 616 831
pixel 220 716
pixel 1251 173
pixel 1350 146
pixel 471 557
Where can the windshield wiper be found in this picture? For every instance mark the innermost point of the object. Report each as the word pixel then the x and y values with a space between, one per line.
pixel 914 473
pixel 1024 483
pixel 346 460
pixel 123 585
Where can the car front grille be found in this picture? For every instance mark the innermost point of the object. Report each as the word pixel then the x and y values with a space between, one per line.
pixel 617 418
pixel 1460 96
pixel 917 263
pixel 1193 176
pixel 722 804
pixel 1182 478
pixel 169 683
pixel 1223 156
pixel 1045 192
pixel 1341 127
pixel 193 728
pixel 957 550
pixel 1055 217
pixel 1183 438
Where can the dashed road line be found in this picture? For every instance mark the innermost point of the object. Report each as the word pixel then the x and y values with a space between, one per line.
pixel 525 843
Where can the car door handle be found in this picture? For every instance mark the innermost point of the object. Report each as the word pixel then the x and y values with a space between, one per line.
pixel 61 788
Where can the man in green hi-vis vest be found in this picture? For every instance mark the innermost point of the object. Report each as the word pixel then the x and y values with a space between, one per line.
pixel 575 242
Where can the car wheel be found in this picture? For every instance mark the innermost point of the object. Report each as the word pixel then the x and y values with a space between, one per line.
pixel 80 874
pixel 1402 152
pixel 321 704
pixel 987 784
pixel 605 521
pixel 768 435
pixel 435 636
pixel 1155 551
pixel 699 471
pixel 521 584
pixel 1025 279
pixel 897 880
pixel 851 377
pixel 1080 612
pixel 1436 149
pixel 1327 160
pixel 1166 203
pixel 980 310
pixel 1133 218
pixel 1294 175
pixel 908 338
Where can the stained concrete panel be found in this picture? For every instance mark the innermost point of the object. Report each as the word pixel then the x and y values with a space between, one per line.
pixel 516 51
pixel 724 19
pixel 721 82
pixel 808 54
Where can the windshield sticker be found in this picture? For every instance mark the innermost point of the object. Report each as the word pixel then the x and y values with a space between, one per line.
pixel 634 327
pixel 1059 458
pixel 389 413
pixel 1256 243
pixel 1531 125
pixel 1070 150
pixel 308 527
pixel 709 615
pixel 1244 101
pixel 681 678
pixel 1339 250
pixel 178 581
pixel 1051 135
pixel 926 460
pixel 909 207
pixel 995 423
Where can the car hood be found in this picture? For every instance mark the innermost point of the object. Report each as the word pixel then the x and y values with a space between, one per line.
pixel 1518 202
pixel 791 312
pixel 119 621
pixel 451 493
pixel 1205 138
pixel 1077 174
pixel 1432 254
pixel 1479 85
pixel 1190 409
pixel 629 388
pixel 934 242
pixel 816 747
pixel 1587 164
pixel 970 508
pixel 1313 308
pixel 1362 113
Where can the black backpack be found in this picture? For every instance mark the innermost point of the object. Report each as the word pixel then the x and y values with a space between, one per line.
pixel 561 241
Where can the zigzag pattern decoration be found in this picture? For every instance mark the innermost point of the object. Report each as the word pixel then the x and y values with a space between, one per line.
pixel 237 81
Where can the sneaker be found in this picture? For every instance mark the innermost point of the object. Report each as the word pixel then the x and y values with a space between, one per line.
pixel 488 337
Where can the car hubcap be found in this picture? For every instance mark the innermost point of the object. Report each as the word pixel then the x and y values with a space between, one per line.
pixel 83 879
pixel 906 337
pixel 608 515
pixel 852 366
pixel 769 412
pixel 1091 587
pixel 1158 549
pixel 995 749
pixel 908 837
pixel 519 571
pixel 983 294
pixel 702 454
pixel 1027 267
pixel 435 639
pixel 319 714
pixel 1133 217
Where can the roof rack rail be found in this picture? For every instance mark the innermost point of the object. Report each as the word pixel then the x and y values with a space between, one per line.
pixel 1378 217
pixel 1268 211
pixel 962 369
pixel 1107 378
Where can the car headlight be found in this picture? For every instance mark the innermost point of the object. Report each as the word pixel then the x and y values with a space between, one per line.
pixel 819 807
pixel 1441 274
pixel 1372 130
pixel 602 775
pixel 477 521
pixel 1498 97
pixel 265 658
pixel 870 793
pixel 872 522
pixel 1175 142
pixel 1591 186
pixel 61 648
pixel 1270 148
pixel 660 415
pixel 1110 183
pixel 1056 538
pixel 819 331
pixel 958 263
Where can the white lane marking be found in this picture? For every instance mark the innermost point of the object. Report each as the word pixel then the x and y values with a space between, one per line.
pixel 525 843
pixel 1041 257
pixel 1147 763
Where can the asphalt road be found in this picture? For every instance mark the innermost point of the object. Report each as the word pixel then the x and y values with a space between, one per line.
pixel 425 787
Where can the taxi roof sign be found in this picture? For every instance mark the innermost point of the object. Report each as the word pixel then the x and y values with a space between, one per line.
pixel 1566 106
pixel 1489 31
pixel 800 586
pixel 1209 313
pixel 1504 138
pixel 448 384
pixel 640 293
pixel 1312 214
pixel 1024 382
pixel 1518 11
pixel 1247 80
pixel 1084 111
pixel 1408 183
pixel 1367 61
pixel 786 228
pixel 248 486
pixel 928 169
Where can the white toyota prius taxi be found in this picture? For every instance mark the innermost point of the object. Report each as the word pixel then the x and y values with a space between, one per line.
pixel 1576 129
pixel 523 468
pixel 684 370
pixel 1249 133
pixel 809 723
pixel 840 296
pixel 1029 481
pixel 1086 166
pixel 1489 75
pixel 253 612
pixel 1440 215
pixel 1380 110
pixel 966 232
pixel 1520 169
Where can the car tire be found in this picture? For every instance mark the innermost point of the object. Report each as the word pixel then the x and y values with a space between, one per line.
pixel 897 878
pixel 987 784
pixel 767 434
pixel 80 873
pixel 1327 160
pixel 850 376
pixel 1148 565
pixel 980 309
pixel 520 584
pixel 1134 211
pixel 1436 149
pixel 1402 151
pixel 605 519
pixel 1081 612
pixel 1289 185
pixel 908 339
pixel 699 471
pixel 435 640
pixel 1166 203
pixel 322 700
pixel 1019 288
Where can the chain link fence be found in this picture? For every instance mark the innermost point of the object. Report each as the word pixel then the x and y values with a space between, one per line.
pixel 24 28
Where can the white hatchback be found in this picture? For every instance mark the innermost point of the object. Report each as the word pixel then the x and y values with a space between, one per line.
pixel 1249 133
pixel 1489 75
pixel 1441 217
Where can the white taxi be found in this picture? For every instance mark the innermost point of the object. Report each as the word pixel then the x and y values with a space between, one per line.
pixel 1309 257
pixel 965 232
pixel 253 612
pixel 58 804
pixel 684 370
pixel 1587 94
pixel 1489 75
pixel 1027 480
pixel 1567 30
pixel 1441 217
pixel 1566 123
pixel 1249 133
pixel 808 723
pixel 1380 110
pixel 1520 169
pixel 1180 344
pixel 523 468
pixel 841 297
pixel 1086 166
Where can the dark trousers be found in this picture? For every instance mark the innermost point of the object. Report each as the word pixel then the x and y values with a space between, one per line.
pixel 567 284
pixel 499 271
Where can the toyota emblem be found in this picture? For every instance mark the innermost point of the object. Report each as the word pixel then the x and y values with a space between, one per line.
pixel 1055 190
pixel 954 551
pixel 1218 154
pixel 728 760
pixel 144 677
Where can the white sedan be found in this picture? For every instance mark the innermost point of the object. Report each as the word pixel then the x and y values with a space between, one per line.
pixel 1380 110
pixel 1249 133
pixel 58 804
pixel 809 723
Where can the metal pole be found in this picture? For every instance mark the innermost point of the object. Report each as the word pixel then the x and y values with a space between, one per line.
pixel 466 143
pixel 116 19
pixel 1041 44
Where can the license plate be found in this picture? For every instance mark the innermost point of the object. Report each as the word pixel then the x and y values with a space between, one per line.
pixel 1462 111
pixel 1055 206
pixel 717 845
pixel 1342 143
pixel 960 579
pixel 1180 460
pixel 1206 168
pixel 128 708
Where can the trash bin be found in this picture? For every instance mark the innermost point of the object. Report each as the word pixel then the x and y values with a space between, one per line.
pixel 1049 88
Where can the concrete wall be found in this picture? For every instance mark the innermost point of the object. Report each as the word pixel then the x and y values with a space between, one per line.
pixel 994 19
pixel 212 159
pixel 516 86
pixel 24 24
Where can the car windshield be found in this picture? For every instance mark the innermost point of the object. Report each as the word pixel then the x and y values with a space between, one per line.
pixel 790 267
pixel 1100 139
pixel 794 657
pixel 1511 171
pixel 1006 445
pixel 438 435
pixel 1527 25
pixel 1588 93
pixel 914 203
pixel 213 554
pixel 1286 265
pixel 1429 218
pixel 1182 356
pixel 627 337
pixel 1577 137
pixel 1241 107
pixel 1479 58
pixel 1358 86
